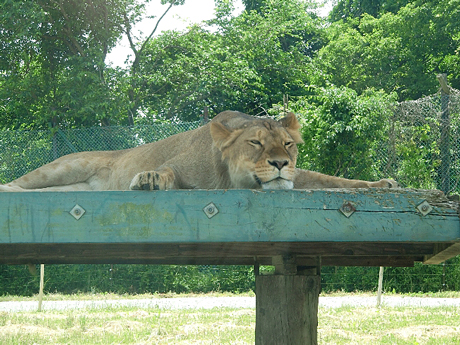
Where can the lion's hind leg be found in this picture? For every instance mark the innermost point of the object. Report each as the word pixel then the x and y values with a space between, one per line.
pixel 8 188
pixel 78 171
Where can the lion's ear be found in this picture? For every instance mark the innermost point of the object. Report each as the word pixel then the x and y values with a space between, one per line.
pixel 222 136
pixel 292 125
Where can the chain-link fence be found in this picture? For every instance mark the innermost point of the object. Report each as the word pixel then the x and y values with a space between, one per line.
pixel 22 151
pixel 423 147
pixel 422 150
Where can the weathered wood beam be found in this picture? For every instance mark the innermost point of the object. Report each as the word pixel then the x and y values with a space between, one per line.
pixel 332 254
pixel 118 254
pixel 442 252
pixel 246 226
pixel 240 216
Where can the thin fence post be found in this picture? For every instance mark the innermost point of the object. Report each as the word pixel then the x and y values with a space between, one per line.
pixel 42 285
pixel 445 134
pixel 444 276
pixel 380 287
pixel 392 159
pixel 205 116
pixel 54 148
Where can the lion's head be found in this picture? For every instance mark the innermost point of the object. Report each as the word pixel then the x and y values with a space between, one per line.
pixel 259 152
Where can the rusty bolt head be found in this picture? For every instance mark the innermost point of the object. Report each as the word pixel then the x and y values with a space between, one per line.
pixel 347 209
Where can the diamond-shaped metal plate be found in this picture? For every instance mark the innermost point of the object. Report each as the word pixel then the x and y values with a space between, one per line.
pixel 347 209
pixel 210 210
pixel 424 208
pixel 77 212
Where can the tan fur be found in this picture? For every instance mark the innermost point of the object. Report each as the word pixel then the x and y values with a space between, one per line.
pixel 306 179
pixel 234 150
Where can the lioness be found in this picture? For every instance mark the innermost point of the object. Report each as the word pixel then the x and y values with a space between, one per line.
pixel 234 150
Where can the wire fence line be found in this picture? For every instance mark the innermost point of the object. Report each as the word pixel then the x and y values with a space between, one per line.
pixel 422 150
pixel 423 147
pixel 139 279
pixel 23 151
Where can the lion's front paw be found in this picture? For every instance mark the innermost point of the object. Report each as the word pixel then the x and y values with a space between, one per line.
pixel 152 180
pixel 386 183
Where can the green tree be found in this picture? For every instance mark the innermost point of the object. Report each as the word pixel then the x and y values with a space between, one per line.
pixel 139 51
pixel 184 72
pixel 399 52
pixel 54 72
pixel 253 5
pixel 342 131
pixel 245 63
pixel 53 69
pixel 345 9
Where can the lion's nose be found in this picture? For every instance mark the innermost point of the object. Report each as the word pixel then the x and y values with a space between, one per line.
pixel 279 164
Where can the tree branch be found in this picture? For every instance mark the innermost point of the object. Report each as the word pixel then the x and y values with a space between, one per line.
pixel 128 33
pixel 67 30
pixel 147 40
pixel 155 28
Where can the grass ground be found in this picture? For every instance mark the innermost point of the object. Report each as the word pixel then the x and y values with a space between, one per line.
pixel 347 325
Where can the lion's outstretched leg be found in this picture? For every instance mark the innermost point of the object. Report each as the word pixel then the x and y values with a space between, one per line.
pixel 306 179
pixel 74 172
pixel 72 187
pixel 161 179
pixel 384 183
pixel 7 188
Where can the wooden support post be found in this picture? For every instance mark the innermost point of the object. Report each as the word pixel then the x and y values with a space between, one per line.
pixel 287 307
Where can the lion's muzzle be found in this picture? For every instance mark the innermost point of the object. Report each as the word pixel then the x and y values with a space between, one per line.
pixel 278 183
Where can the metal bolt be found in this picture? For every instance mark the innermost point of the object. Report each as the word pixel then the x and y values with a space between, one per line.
pixel 347 209
pixel 210 210
pixel 77 211
pixel 424 208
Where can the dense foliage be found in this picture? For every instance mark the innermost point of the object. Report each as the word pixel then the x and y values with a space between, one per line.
pixel 136 279
pixel 342 130
pixel 53 69
pixel 399 52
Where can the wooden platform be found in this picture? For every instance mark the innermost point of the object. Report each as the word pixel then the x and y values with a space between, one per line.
pixel 344 227
pixel 296 231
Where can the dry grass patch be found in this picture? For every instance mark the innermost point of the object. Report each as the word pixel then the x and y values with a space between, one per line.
pixel 424 333
pixel 350 325
pixel 346 325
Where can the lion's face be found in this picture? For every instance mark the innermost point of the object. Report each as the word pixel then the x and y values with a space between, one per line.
pixel 260 153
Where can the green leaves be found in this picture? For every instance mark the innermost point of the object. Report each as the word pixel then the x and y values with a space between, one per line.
pixel 53 70
pixel 400 51
pixel 341 130
pixel 244 63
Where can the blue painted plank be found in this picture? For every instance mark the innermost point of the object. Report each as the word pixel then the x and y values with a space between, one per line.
pixel 243 216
